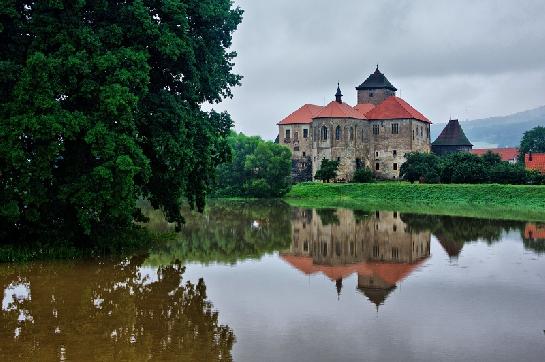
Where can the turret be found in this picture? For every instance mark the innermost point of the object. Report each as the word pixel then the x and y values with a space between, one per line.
pixel 375 89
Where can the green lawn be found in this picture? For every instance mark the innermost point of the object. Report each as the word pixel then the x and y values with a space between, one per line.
pixel 483 200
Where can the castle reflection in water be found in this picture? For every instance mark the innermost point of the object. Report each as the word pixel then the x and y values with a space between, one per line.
pixel 378 246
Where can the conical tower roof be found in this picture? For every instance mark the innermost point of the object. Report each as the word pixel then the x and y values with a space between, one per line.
pixel 377 80
pixel 452 135
pixel 377 296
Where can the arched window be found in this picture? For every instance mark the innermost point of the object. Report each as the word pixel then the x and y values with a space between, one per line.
pixel 338 133
pixel 324 133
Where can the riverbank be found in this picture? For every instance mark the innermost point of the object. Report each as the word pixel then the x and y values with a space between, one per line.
pixel 513 202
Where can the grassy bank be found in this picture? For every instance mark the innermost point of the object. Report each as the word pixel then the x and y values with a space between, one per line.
pixel 484 200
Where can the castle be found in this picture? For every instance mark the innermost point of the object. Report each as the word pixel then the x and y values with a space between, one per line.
pixel 376 133
pixel 380 247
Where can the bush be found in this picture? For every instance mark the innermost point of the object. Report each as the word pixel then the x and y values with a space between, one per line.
pixel 363 175
pixel 327 171
pixel 463 168
pixel 425 167
pixel 466 168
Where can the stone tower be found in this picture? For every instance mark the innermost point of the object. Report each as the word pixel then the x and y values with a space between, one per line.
pixel 375 89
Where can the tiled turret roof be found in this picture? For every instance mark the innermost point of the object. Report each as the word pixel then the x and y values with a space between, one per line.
pixel 452 135
pixel 377 80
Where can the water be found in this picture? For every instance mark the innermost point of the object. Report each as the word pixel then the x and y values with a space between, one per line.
pixel 267 282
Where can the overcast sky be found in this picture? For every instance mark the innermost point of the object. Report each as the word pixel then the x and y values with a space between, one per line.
pixel 459 59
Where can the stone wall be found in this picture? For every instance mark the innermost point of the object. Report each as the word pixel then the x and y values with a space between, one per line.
pixel 346 238
pixel 374 96
pixel 352 145
pixel 388 149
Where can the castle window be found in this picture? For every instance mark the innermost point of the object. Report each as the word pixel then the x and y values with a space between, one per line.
pixel 376 251
pixel 296 135
pixel 377 214
pixel 338 133
pixel 395 128
pixel 305 246
pixel 376 153
pixel 395 166
pixel 324 133
pixel 394 228
pixel 305 133
pixel 358 163
pixel 377 166
pixel 304 154
pixel 288 134
pixel 371 94
pixel 395 214
pixel 413 134
pixel 395 253
pixel 324 252
pixel 296 148
pixel 338 159
pixel 395 153
pixel 351 134
pixel 422 131
pixel 375 129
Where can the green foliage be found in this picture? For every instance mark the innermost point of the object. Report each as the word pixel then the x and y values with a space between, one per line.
pixel 421 167
pixel 227 232
pixel 491 159
pixel 258 169
pixel 532 141
pixel 465 168
pixel 100 105
pixel 363 175
pixel 327 171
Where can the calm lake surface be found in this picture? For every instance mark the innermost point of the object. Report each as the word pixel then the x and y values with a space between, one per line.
pixel 263 281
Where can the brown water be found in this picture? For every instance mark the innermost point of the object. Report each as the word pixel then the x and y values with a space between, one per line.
pixel 266 282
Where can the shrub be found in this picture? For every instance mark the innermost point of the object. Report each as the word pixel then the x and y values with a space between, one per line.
pixel 327 171
pixel 363 175
pixel 420 166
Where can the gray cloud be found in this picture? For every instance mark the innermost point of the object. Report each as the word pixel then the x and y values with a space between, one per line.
pixel 463 59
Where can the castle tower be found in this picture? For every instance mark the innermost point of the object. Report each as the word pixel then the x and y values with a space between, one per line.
pixel 338 95
pixel 375 89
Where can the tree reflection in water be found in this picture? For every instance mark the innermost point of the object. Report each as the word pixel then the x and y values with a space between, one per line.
pixel 105 310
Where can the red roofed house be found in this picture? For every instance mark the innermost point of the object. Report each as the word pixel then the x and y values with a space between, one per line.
pixel 376 133
pixel 535 161
pixel 507 154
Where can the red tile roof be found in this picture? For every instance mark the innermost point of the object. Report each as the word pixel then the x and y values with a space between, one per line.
pixel 506 154
pixel 391 273
pixel 533 231
pixel 535 161
pixel 363 108
pixel 303 115
pixel 395 108
pixel 339 110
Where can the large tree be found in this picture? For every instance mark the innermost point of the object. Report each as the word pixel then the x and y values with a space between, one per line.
pixel 100 104
pixel 532 141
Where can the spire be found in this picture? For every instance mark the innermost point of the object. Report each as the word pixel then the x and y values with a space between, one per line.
pixel 339 285
pixel 339 95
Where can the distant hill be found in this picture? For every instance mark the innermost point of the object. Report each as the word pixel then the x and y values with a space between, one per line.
pixel 503 131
